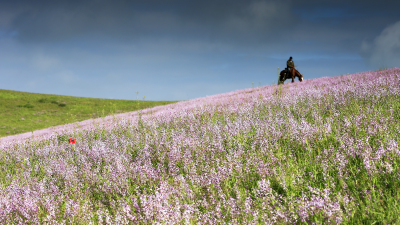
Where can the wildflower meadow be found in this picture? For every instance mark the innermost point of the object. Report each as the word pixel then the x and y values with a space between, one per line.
pixel 321 151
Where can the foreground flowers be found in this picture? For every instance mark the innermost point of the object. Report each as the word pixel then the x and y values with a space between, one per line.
pixel 324 151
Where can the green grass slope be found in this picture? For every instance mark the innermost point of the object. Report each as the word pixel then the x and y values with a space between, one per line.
pixel 22 112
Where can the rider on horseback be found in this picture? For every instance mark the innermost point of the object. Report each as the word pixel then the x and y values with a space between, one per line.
pixel 290 65
pixel 285 74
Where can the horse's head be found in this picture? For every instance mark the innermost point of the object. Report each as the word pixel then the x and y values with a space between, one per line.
pixel 298 74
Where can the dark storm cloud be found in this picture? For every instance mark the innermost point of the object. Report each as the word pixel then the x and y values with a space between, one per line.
pixel 236 21
pixel 283 25
pixel 214 19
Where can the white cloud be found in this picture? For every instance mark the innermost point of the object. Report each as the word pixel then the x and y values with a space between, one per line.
pixel 32 84
pixel 384 51
pixel 67 77
pixel 114 76
pixel 44 62
pixel 258 15
pixel 265 10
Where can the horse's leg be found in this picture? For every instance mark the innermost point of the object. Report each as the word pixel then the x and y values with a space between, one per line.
pixel 282 77
pixel 292 72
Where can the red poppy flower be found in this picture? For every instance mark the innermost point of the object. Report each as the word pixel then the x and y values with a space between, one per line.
pixel 72 140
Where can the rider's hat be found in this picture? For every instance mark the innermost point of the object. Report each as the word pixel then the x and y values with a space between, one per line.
pixel 290 57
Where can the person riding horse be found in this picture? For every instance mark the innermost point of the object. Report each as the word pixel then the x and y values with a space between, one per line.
pixel 289 72
pixel 290 65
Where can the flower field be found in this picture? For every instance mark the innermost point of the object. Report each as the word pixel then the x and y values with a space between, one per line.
pixel 320 151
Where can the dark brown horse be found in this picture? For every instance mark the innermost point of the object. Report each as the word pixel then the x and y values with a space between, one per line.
pixel 292 74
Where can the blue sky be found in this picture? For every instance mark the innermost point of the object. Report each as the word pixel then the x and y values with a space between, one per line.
pixel 179 50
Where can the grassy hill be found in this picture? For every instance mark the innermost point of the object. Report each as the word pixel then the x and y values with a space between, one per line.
pixel 323 151
pixel 22 112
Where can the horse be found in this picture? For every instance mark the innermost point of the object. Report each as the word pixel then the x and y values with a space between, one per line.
pixel 292 74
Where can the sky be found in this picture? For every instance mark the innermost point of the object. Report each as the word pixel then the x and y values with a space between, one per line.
pixel 181 50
